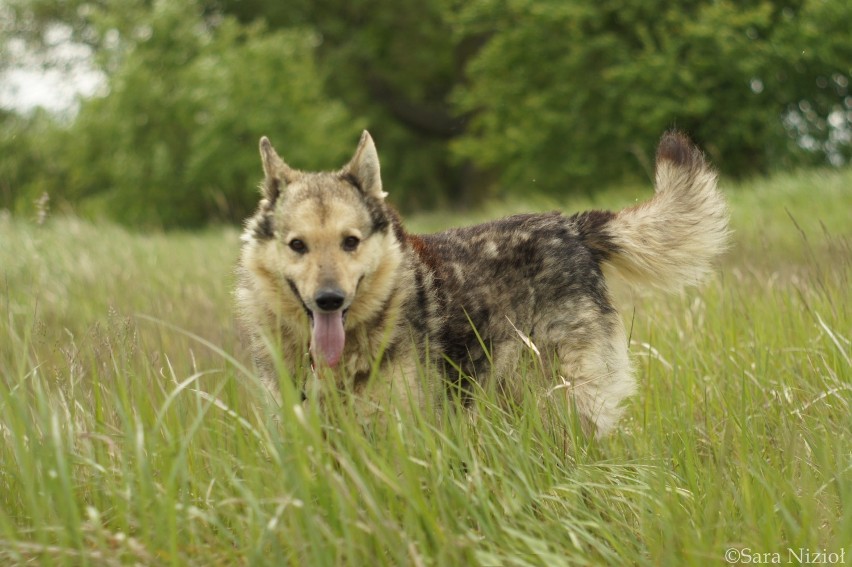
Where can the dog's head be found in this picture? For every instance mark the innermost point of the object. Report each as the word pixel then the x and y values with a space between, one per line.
pixel 324 245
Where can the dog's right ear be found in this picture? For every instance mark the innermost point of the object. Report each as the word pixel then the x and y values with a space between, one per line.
pixel 277 174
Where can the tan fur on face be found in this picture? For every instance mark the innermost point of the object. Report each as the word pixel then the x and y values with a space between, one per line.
pixel 365 275
pixel 323 227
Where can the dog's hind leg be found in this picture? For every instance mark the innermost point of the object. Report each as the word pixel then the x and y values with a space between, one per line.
pixel 597 376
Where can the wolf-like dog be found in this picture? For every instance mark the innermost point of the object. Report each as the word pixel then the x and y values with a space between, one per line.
pixel 329 280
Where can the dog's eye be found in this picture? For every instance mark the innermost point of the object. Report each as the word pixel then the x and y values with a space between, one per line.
pixel 350 243
pixel 298 246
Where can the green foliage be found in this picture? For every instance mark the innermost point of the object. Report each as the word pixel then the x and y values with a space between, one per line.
pixel 463 99
pixel 183 151
pixel 172 142
pixel 14 143
pixel 395 65
pixel 132 433
pixel 579 93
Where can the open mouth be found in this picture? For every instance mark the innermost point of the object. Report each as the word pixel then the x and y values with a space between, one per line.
pixel 327 336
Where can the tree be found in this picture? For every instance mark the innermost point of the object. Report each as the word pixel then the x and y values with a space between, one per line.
pixel 575 94
pixel 461 97
pixel 394 63
pixel 188 95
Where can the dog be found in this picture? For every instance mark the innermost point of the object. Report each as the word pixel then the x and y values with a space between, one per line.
pixel 333 289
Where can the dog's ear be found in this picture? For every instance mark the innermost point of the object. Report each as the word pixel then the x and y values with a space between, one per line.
pixel 277 173
pixel 364 168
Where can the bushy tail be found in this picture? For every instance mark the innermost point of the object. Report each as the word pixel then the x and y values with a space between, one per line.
pixel 671 240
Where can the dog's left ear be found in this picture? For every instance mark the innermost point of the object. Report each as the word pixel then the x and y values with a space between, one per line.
pixel 364 167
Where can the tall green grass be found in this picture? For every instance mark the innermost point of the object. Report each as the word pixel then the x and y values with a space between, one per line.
pixel 131 431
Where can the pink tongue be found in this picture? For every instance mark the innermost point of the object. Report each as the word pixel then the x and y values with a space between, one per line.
pixel 328 337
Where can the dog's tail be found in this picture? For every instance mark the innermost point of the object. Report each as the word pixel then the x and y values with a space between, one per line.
pixel 671 240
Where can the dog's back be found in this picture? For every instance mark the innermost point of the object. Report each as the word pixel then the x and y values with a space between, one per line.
pixel 529 273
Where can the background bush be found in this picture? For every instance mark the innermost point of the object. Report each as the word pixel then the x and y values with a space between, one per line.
pixel 465 100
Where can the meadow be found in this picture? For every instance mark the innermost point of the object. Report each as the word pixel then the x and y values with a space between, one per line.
pixel 133 431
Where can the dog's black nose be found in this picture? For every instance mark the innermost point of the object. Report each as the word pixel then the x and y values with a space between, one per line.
pixel 329 299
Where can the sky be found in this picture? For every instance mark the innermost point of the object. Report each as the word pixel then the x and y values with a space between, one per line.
pixel 56 91
pixel 27 83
